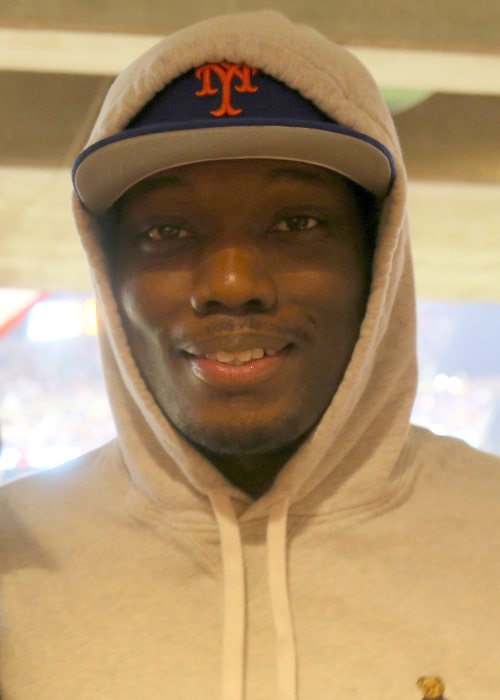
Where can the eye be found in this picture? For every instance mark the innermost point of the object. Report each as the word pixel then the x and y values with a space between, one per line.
pixel 165 232
pixel 297 223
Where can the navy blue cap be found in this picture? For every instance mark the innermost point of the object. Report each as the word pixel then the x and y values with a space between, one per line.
pixel 226 111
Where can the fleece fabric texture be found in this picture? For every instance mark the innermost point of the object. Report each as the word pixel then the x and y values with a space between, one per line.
pixel 138 571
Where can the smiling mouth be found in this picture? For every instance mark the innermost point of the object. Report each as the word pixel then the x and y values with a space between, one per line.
pixel 238 362
pixel 236 350
pixel 243 357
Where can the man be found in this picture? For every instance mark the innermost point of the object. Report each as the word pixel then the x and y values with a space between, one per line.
pixel 267 525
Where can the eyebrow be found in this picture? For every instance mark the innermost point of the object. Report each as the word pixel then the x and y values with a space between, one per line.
pixel 284 173
pixel 155 181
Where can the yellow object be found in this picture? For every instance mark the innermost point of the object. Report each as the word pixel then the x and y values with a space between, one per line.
pixel 432 686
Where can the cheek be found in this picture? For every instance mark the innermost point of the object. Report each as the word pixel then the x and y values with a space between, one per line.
pixel 147 299
pixel 333 288
pixel 335 297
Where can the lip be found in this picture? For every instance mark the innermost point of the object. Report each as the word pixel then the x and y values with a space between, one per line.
pixel 228 376
pixel 235 342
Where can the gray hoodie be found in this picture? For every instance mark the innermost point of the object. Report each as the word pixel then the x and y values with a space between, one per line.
pixel 138 571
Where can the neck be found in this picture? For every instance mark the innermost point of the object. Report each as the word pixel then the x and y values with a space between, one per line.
pixel 254 474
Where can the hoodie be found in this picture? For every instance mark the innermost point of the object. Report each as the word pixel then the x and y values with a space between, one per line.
pixel 140 571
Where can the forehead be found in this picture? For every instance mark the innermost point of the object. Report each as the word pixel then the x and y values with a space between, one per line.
pixel 248 172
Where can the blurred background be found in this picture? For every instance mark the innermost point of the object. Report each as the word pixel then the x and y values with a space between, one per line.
pixel 438 64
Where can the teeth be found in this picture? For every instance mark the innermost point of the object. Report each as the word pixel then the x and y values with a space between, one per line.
pixel 239 358
pixel 225 356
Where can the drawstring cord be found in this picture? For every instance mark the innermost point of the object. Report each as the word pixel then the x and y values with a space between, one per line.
pixel 280 600
pixel 234 598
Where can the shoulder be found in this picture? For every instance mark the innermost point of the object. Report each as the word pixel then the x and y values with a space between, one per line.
pixel 57 496
pixel 453 475
pixel 453 455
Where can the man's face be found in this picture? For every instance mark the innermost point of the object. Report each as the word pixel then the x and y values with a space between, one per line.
pixel 242 286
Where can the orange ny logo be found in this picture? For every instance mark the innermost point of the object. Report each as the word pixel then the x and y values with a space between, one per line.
pixel 226 72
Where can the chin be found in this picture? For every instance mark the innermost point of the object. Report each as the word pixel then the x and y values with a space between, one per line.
pixel 242 441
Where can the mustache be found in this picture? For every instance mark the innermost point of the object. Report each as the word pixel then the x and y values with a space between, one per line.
pixel 227 326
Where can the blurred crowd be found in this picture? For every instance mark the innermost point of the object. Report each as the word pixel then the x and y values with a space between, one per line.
pixel 53 404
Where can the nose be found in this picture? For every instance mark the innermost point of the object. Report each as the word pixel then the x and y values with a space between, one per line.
pixel 233 280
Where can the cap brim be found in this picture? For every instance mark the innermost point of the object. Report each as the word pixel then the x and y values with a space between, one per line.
pixel 105 171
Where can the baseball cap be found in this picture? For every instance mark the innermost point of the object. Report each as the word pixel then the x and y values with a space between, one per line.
pixel 222 111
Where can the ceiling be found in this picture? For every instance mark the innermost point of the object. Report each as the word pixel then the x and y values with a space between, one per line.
pixel 57 59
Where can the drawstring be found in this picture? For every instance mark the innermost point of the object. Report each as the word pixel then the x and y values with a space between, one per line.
pixel 280 601
pixel 234 598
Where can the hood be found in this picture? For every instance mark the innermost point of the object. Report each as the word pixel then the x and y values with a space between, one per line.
pixel 353 452
pixel 350 462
